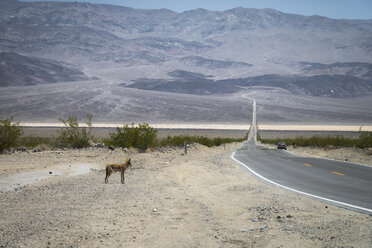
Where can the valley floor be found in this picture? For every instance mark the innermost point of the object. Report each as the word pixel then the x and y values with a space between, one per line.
pixel 202 199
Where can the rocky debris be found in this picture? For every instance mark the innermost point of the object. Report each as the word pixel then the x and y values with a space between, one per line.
pixel 91 143
pixel 21 149
pixel 99 145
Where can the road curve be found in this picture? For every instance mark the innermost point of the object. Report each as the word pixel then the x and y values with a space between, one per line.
pixel 339 183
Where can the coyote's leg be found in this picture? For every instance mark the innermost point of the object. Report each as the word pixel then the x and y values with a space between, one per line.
pixel 108 173
pixel 122 176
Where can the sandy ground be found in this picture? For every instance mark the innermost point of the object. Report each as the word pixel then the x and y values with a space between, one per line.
pixel 202 199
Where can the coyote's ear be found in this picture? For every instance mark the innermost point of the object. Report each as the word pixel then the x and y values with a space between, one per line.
pixel 128 160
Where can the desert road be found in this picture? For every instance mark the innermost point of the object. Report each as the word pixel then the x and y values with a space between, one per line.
pixel 339 183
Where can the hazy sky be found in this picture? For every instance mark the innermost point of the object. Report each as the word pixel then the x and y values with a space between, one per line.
pixel 340 9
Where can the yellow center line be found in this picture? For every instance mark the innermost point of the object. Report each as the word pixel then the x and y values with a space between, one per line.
pixel 289 159
pixel 308 164
pixel 338 173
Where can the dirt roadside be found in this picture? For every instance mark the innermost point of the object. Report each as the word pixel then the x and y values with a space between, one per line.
pixel 202 199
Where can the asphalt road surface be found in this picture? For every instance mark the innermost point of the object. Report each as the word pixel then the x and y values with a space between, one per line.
pixel 339 183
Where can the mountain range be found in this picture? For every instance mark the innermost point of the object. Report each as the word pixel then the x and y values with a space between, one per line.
pixel 198 52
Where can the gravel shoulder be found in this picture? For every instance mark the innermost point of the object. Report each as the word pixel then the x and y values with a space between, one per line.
pixel 202 199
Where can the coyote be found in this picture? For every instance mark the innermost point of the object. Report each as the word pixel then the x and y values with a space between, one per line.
pixel 110 168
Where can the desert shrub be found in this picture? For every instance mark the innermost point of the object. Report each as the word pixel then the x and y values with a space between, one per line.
pixel 72 135
pixel 338 141
pixel 178 140
pixel 365 140
pixel 140 136
pixel 203 140
pixel 33 141
pixel 9 133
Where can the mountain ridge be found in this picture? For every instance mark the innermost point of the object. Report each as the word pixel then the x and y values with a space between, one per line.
pixel 160 65
pixel 123 24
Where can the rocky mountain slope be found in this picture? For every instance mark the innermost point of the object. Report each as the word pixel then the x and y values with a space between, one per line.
pixel 318 85
pixel 18 70
pixel 249 53
pixel 95 33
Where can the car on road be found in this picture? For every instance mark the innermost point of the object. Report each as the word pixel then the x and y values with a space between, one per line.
pixel 282 145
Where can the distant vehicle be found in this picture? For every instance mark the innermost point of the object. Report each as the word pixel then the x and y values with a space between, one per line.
pixel 282 145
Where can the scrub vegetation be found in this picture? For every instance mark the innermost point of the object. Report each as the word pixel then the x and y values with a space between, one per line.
pixel 203 140
pixel 9 133
pixel 73 136
pixel 143 136
pixel 140 136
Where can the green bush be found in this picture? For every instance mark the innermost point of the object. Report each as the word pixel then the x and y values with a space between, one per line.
pixel 72 136
pixel 142 136
pixel 365 140
pixel 31 141
pixel 9 134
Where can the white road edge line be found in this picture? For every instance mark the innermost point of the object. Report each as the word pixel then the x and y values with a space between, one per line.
pixel 293 154
pixel 297 191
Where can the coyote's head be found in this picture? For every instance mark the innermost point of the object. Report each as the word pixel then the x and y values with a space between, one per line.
pixel 128 162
